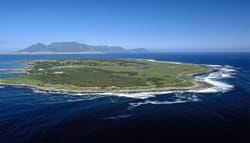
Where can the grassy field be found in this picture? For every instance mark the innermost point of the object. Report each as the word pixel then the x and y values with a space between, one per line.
pixel 101 75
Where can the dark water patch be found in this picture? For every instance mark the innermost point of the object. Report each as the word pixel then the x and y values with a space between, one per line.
pixel 37 117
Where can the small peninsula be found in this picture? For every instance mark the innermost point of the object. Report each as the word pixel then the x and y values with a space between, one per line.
pixel 107 75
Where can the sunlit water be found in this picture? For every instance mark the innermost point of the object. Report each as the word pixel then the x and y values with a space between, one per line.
pixel 221 112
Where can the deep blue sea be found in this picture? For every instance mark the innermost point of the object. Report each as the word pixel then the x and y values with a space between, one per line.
pixel 220 113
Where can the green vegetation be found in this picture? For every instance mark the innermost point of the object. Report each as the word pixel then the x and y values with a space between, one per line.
pixel 101 75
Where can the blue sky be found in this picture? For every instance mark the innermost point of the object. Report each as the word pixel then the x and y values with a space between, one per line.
pixel 169 25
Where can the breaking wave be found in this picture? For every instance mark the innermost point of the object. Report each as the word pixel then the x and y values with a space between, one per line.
pixel 157 102
pixel 141 95
pixel 176 98
pixel 215 79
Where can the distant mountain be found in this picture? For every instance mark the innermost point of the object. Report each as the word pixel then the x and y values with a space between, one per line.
pixel 75 47
pixel 138 50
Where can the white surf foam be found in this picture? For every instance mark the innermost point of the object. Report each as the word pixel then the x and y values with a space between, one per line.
pixel 223 75
pixel 214 66
pixel 155 102
pixel 2 86
pixel 176 99
pixel 131 95
pixel 38 91
pixel 46 92
pixel 214 79
pixel 156 61
pixel 141 95
pixel 224 69
pixel 78 94
pixel 136 95
pixel 217 86
pixel 7 69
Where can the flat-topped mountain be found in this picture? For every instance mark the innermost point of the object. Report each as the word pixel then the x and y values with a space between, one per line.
pixel 75 47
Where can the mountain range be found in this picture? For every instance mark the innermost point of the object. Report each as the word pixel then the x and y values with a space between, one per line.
pixel 75 47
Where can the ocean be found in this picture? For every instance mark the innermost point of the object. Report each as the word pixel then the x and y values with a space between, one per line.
pixel 216 114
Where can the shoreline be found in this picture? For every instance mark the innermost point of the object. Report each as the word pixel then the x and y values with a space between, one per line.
pixel 140 89
pixel 197 86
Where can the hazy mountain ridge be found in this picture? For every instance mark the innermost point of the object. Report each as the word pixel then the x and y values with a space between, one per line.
pixel 75 47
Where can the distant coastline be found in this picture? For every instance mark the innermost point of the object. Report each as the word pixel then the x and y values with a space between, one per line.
pixel 75 48
pixel 62 53
pixel 55 53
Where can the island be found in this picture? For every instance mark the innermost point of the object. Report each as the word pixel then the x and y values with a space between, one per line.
pixel 107 75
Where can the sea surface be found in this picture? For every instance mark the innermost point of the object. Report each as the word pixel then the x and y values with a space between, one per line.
pixel 216 114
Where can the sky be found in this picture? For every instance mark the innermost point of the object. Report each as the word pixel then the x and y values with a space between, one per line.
pixel 158 25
